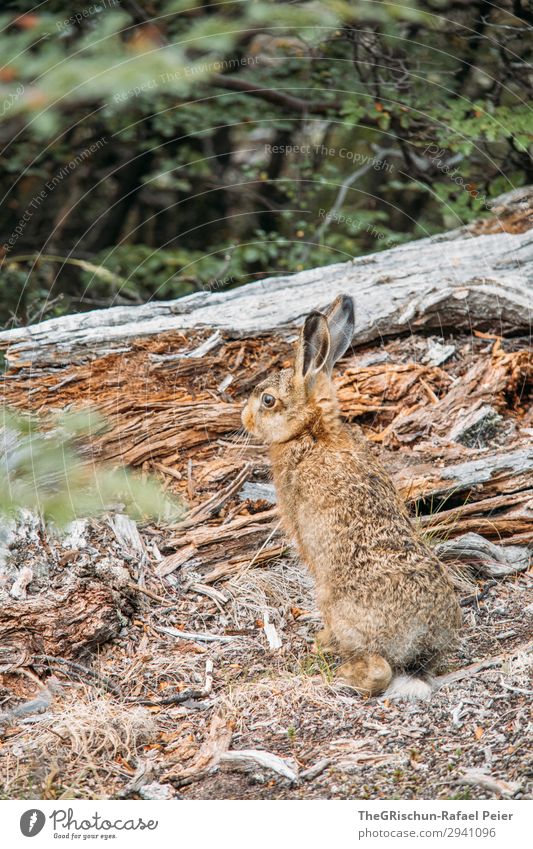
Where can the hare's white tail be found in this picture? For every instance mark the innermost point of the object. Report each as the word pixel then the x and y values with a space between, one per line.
pixel 408 687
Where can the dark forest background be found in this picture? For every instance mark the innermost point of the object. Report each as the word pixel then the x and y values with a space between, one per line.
pixel 149 150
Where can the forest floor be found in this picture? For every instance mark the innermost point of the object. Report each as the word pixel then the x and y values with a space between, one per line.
pixel 472 740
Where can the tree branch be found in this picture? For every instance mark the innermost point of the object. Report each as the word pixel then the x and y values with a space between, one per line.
pixel 279 98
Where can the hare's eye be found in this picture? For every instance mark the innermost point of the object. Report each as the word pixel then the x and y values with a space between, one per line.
pixel 268 400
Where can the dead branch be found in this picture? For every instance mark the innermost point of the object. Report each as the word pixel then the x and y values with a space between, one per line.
pixel 487 559
pixel 475 668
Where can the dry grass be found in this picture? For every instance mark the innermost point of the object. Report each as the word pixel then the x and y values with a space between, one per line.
pixel 84 744
pixel 274 590
pixel 98 728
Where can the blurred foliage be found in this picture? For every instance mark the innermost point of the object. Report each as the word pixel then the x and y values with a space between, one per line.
pixel 43 470
pixel 155 149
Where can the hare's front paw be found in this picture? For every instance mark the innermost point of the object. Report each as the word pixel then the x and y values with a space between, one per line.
pixel 325 640
pixel 369 674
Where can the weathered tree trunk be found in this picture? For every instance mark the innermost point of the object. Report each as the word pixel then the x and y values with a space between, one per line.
pixel 452 281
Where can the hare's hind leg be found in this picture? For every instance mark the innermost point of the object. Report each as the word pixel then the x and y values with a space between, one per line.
pixel 369 674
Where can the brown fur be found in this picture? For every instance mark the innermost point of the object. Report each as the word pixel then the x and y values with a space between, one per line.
pixel 386 600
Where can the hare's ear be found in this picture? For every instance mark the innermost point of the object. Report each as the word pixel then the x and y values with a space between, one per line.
pixel 341 323
pixel 313 349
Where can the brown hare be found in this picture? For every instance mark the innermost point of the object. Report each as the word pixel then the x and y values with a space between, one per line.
pixel 387 603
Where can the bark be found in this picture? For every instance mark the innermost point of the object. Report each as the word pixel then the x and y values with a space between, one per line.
pixel 497 473
pixel 492 561
pixel 69 622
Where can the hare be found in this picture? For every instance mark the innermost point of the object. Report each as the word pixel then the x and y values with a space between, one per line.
pixel 387 603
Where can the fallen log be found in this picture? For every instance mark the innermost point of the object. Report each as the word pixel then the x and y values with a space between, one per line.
pixel 455 280
pixel 508 517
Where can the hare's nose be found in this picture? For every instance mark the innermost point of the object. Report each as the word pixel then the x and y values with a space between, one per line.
pixel 247 418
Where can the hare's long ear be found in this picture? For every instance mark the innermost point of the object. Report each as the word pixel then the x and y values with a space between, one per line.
pixel 341 323
pixel 313 349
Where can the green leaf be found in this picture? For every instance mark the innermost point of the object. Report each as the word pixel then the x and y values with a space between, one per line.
pixel 42 471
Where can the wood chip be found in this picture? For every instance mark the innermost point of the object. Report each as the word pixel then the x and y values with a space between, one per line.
pixel 169 564
pixel 250 758
pixel 477 778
